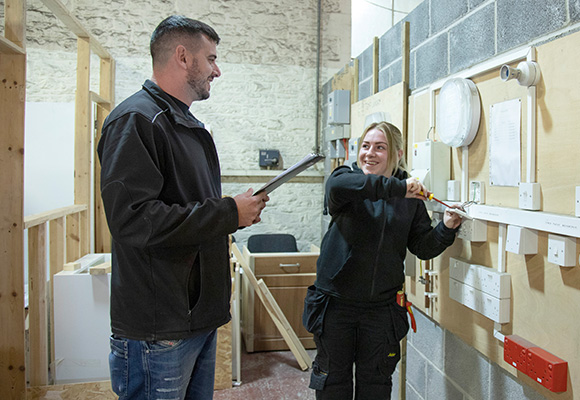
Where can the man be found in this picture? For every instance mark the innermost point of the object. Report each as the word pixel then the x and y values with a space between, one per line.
pixel 161 189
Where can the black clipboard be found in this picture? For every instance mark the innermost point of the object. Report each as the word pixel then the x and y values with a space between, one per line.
pixel 290 173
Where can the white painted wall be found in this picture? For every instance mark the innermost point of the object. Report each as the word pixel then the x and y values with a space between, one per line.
pixel 372 18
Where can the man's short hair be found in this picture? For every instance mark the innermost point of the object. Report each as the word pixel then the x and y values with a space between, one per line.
pixel 176 26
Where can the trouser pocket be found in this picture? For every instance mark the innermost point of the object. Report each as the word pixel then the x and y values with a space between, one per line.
pixel 390 357
pixel 399 323
pixel 119 366
pixel 317 377
pixel 315 305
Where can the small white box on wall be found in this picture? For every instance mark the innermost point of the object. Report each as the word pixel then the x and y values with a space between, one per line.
pixel 453 190
pixel 521 240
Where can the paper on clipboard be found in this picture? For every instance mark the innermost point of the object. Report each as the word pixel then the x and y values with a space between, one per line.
pixel 290 173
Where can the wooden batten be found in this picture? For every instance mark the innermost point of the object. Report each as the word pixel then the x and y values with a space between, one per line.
pixel 7 47
pixel 82 177
pixel 41 218
pixel 73 24
pixel 376 61
pixel 12 101
pixel 107 91
pixel 37 307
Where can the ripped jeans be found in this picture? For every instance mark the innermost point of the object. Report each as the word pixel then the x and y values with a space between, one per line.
pixel 360 335
pixel 164 369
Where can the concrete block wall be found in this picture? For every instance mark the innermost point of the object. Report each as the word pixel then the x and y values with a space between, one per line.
pixel 446 37
pixel 265 98
pixel 441 366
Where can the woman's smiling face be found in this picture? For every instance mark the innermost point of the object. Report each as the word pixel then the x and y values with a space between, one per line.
pixel 374 154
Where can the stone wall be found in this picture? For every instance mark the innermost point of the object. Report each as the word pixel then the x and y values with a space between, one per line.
pixel 265 98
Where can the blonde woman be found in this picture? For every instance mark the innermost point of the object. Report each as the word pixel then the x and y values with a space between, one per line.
pixel 377 213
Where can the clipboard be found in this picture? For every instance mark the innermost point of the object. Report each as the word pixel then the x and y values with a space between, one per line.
pixel 290 173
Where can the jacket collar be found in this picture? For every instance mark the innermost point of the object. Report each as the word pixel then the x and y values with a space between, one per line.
pixel 168 105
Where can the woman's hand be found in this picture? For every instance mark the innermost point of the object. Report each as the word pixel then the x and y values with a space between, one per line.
pixel 452 220
pixel 416 190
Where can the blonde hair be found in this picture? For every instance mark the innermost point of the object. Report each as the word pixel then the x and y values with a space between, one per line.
pixel 394 143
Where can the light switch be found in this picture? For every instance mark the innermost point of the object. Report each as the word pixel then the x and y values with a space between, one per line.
pixel 562 250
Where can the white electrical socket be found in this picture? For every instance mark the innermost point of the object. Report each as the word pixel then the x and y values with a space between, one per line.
pixel 480 277
pixel 562 250
pixel 529 196
pixel 495 309
pixel 474 230
pixel 477 192
pixel 491 307
pixel 495 283
pixel 456 269
pixel 521 240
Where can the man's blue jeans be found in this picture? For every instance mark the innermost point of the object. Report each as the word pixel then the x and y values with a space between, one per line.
pixel 164 369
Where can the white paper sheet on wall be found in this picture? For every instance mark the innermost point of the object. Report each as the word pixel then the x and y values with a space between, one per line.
pixel 504 143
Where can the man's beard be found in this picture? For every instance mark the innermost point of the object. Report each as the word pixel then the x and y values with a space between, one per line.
pixel 197 84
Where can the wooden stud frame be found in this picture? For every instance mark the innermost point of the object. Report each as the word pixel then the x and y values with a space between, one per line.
pixel 71 222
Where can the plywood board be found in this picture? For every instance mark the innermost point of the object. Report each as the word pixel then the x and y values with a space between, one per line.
pixel 223 364
pixel 389 101
pixel 78 391
pixel 545 297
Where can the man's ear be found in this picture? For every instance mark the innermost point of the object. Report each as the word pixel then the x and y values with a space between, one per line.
pixel 181 55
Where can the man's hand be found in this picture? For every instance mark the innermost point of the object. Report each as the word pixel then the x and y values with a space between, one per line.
pixel 250 207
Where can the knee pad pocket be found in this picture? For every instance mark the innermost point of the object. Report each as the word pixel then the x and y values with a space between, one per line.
pixel 317 378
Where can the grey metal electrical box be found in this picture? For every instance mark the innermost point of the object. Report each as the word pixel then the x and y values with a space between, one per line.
pixel 269 158
pixel 339 107
pixel 335 132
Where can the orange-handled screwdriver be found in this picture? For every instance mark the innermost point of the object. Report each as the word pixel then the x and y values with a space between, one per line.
pixel 431 197
pixel 455 210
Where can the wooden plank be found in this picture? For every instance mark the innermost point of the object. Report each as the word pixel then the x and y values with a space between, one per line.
pixel 72 237
pixel 376 62
pixel 73 24
pixel 354 95
pixel 83 170
pixel 405 97
pixel 37 315
pixel 15 21
pixel 304 363
pixel 100 269
pixel 12 101
pixel 7 47
pixel 56 261
pixel 41 218
pixel 284 326
pixel 97 98
pixel 107 90
pixel 387 101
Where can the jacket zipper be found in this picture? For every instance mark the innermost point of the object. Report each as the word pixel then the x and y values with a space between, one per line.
pixel 375 267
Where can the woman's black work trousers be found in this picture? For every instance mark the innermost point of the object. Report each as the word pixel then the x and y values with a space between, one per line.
pixel 360 337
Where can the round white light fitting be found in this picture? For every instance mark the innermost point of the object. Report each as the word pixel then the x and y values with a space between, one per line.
pixel 458 112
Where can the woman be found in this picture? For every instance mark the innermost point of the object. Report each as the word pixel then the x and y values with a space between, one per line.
pixel 377 213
